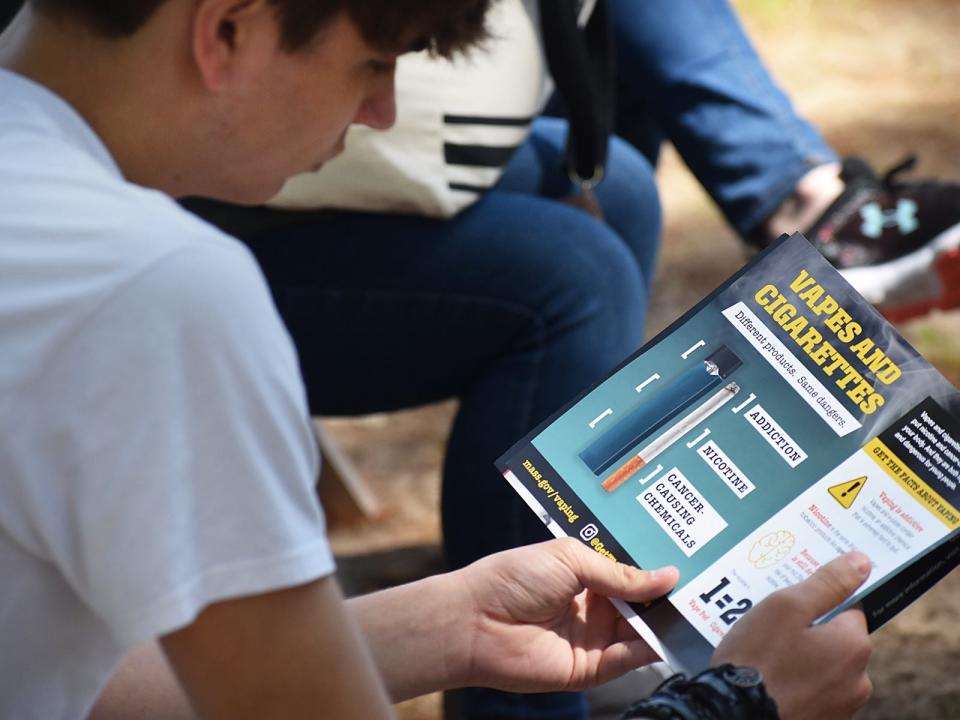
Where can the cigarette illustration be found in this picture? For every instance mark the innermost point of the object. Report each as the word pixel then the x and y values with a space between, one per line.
pixel 670 401
pixel 670 436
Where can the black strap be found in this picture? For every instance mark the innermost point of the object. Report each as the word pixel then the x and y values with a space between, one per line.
pixel 582 66
pixel 718 693
pixel 8 9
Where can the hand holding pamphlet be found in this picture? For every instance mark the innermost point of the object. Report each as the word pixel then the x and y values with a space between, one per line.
pixel 776 425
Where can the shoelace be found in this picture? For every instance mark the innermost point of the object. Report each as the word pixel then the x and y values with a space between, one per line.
pixel 905 165
pixel 857 171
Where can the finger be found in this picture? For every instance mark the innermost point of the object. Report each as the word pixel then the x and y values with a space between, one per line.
pixel 831 584
pixel 614 579
pixel 851 620
pixel 849 630
pixel 864 692
pixel 624 630
pixel 622 657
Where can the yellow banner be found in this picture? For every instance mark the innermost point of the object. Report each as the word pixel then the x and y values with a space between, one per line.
pixel 908 480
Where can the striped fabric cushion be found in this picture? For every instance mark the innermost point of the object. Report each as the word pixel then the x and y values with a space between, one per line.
pixel 458 124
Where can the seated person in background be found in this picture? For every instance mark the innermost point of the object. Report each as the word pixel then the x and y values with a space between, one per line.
pixel 157 461
pixel 690 75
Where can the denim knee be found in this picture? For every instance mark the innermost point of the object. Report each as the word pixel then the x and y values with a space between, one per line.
pixel 630 200
pixel 592 296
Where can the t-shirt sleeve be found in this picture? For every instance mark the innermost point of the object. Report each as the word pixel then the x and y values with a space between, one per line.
pixel 187 453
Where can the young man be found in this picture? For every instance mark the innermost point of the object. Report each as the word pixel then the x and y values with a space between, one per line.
pixel 156 459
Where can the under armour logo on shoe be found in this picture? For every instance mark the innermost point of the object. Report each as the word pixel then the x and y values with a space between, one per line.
pixel 876 219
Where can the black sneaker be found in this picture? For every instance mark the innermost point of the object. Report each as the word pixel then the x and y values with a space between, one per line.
pixel 895 242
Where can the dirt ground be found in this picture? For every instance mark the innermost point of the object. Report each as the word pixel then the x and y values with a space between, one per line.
pixel 880 79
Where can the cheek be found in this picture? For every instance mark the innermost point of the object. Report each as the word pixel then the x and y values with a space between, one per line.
pixel 318 114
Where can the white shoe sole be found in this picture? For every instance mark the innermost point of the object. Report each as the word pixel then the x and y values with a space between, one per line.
pixel 913 284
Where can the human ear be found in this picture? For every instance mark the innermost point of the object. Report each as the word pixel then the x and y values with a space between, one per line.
pixel 232 38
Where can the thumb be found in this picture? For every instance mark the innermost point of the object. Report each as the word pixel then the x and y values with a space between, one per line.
pixel 831 584
pixel 614 579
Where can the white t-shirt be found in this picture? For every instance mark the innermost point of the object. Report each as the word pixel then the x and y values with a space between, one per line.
pixel 156 453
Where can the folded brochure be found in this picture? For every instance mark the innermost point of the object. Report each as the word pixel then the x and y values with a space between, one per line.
pixel 779 423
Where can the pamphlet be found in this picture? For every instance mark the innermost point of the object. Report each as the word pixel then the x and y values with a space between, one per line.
pixel 776 425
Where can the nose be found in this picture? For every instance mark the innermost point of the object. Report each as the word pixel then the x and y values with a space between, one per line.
pixel 379 109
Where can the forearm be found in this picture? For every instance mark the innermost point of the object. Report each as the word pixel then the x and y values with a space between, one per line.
pixel 419 634
pixel 291 653
pixel 143 686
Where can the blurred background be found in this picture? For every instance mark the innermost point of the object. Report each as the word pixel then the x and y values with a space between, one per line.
pixel 881 79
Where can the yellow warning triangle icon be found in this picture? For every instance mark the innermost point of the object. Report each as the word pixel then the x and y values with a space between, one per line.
pixel 846 492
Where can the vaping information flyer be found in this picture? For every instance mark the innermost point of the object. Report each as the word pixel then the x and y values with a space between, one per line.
pixel 779 423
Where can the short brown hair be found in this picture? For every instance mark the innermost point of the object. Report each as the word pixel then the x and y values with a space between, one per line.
pixel 443 26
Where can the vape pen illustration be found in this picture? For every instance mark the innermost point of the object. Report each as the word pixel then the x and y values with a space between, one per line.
pixel 651 416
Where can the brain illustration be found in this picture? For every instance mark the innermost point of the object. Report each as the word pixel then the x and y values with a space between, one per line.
pixel 771 549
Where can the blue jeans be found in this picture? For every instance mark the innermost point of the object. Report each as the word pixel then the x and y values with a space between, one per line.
pixel 688 73
pixel 514 307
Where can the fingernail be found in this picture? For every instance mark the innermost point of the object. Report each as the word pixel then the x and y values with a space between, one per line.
pixel 670 571
pixel 860 562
